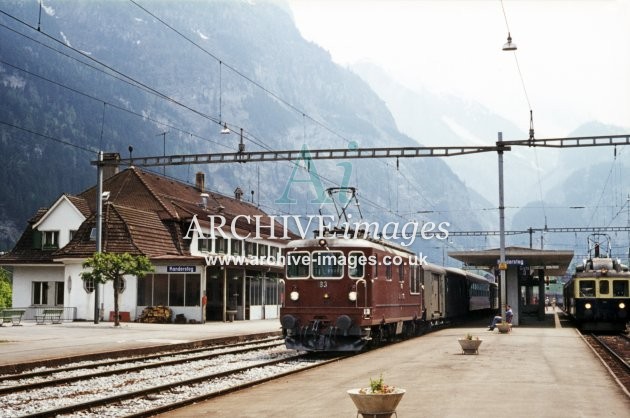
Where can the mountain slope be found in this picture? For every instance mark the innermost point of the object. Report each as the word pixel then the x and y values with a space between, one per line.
pixel 256 73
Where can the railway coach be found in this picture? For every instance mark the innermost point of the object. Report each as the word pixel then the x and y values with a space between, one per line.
pixel 343 293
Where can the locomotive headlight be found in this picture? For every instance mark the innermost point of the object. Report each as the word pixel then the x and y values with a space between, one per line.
pixel 622 305
pixel 326 295
pixel 294 295
pixel 352 296
pixel 587 305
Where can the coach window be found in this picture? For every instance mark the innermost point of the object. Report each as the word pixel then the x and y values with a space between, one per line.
pixel 298 264
pixel 620 288
pixel 327 264
pixel 401 273
pixel 604 287
pixel 356 264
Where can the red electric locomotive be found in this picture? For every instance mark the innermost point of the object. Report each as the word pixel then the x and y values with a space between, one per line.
pixel 340 293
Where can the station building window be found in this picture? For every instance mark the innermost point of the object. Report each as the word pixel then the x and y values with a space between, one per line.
pixel 39 294
pixel 88 285
pixel 50 239
pixel 169 290
pixel 220 245
pixel 236 247
pixel 203 244
pixel 59 286
pixel 251 249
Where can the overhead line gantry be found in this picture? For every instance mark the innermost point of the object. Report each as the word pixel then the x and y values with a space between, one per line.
pixel 243 156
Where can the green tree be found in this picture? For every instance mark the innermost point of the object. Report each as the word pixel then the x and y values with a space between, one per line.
pixel 6 293
pixel 111 266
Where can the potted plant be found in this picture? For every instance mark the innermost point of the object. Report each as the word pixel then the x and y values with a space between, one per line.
pixel 470 344
pixel 379 400
pixel 504 327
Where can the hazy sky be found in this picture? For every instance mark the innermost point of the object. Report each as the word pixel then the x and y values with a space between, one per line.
pixel 574 55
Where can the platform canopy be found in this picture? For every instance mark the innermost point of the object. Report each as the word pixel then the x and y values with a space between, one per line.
pixel 555 263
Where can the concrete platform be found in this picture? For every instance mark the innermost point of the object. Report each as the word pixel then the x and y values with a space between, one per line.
pixel 31 343
pixel 541 369
pixel 537 370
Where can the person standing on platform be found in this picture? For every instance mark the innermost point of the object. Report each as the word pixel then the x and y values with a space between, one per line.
pixel 204 302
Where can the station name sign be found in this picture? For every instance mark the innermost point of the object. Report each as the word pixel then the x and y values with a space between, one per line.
pixel 181 269
pixel 513 262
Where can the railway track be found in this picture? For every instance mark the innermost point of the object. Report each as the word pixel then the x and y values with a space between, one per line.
pixel 143 387
pixel 614 353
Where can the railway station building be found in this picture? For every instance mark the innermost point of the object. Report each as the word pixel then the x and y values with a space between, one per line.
pixel 526 275
pixel 237 268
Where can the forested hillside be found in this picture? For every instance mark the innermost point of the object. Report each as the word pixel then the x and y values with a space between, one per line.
pixel 106 75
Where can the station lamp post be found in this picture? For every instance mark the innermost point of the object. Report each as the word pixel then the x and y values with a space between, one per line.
pixel 502 263
pixel 99 226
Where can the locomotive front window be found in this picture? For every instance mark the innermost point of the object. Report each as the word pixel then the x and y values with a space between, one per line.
pixel 328 264
pixel 620 288
pixel 356 264
pixel 604 287
pixel 587 288
pixel 298 264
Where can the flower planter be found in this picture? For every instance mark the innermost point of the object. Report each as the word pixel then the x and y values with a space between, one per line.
pixel 469 346
pixel 504 328
pixel 376 405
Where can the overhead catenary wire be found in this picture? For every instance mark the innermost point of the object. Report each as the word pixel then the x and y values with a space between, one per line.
pixel 136 83
pixel 241 74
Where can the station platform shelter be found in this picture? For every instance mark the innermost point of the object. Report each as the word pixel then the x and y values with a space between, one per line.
pixel 527 272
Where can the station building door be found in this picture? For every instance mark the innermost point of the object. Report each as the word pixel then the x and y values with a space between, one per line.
pixel 264 296
pixel 531 292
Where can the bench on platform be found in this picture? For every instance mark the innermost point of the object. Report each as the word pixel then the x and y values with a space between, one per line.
pixel 49 315
pixel 12 315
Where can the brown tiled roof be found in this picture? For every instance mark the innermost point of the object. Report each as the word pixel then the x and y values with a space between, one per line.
pixel 23 252
pixel 81 204
pixel 146 214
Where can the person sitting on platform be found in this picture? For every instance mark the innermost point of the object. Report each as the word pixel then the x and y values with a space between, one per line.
pixel 508 318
